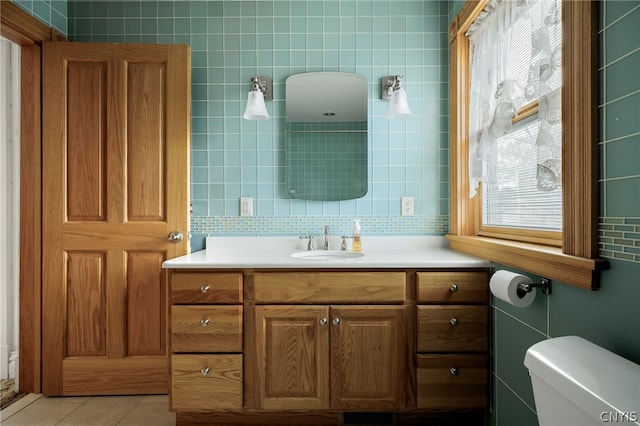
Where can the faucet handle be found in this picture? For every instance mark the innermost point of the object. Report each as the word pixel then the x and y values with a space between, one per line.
pixel 310 245
pixel 343 245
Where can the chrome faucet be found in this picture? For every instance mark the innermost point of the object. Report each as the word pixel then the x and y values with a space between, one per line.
pixel 326 238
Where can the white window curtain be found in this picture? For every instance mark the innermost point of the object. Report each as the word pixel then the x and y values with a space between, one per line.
pixel 515 48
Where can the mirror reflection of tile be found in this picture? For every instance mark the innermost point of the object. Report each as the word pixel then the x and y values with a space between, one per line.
pixel 326 161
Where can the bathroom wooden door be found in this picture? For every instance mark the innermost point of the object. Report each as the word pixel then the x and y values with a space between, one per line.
pixel 115 185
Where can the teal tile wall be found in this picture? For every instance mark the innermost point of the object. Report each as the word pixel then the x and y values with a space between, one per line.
pixel 609 316
pixel 51 12
pixel 233 40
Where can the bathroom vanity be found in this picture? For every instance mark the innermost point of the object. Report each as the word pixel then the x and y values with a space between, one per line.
pixel 259 335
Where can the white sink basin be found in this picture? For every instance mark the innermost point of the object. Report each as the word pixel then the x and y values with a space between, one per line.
pixel 327 254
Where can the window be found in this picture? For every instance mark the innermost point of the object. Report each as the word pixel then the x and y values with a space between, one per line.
pixel 515 127
pixel 563 247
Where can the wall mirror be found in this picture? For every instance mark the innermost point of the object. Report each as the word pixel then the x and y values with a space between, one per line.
pixel 326 136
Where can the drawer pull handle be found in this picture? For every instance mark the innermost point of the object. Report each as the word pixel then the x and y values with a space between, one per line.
pixel 205 322
pixel 323 322
pixel 454 371
pixel 205 288
pixel 453 288
pixel 205 371
pixel 335 322
pixel 454 321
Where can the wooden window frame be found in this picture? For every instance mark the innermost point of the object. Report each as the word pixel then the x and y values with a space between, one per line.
pixel 576 261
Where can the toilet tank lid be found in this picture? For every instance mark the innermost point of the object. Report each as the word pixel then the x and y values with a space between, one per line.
pixel 592 377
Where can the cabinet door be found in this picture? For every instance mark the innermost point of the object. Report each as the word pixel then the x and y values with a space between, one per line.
pixel 368 357
pixel 292 357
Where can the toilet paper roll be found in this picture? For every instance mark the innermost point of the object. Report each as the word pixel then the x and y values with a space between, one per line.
pixel 504 286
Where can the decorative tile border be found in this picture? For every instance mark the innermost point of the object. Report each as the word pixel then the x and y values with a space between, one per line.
pixel 620 238
pixel 305 225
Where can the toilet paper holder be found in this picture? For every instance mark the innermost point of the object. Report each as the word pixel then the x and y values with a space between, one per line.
pixel 544 285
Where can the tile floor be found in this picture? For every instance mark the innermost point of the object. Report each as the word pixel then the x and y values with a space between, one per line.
pixel 38 410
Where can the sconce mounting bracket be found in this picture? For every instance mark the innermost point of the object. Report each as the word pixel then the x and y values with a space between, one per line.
pixel 266 85
pixel 386 83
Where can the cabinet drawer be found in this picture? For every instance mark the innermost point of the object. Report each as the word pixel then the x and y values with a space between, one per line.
pixel 206 287
pixel 206 382
pixel 453 287
pixel 452 328
pixel 330 287
pixel 206 328
pixel 452 381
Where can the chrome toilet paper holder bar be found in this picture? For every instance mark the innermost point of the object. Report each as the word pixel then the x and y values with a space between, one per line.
pixel 544 285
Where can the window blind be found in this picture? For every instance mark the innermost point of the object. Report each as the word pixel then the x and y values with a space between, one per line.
pixel 513 199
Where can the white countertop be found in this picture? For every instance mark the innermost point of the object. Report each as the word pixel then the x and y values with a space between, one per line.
pixel 275 252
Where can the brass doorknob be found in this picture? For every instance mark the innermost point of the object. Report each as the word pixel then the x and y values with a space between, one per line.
pixel 175 237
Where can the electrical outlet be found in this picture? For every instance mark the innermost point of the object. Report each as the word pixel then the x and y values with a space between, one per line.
pixel 407 206
pixel 246 206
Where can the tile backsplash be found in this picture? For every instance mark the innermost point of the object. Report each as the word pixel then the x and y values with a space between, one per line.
pixel 231 41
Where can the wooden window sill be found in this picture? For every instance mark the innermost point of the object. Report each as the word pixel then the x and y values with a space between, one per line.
pixel 548 262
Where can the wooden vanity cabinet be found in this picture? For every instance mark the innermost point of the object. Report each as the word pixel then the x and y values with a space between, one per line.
pixel 267 345
pixel 452 340
pixel 342 357
pixel 206 335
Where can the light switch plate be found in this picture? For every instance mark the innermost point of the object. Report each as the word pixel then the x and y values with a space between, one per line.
pixel 246 206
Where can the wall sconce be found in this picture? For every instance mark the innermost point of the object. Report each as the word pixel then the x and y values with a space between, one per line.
pixel 392 90
pixel 261 89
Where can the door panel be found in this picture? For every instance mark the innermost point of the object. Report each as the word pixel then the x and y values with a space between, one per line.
pixel 115 184
pixel 145 141
pixel 86 171
pixel 86 304
pixel 146 301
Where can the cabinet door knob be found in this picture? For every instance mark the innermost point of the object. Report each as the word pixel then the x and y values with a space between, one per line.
pixel 205 288
pixel 335 321
pixel 453 288
pixel 205 322
pixel 454 321
pixel 323 322
pixel 454 371
pixel 205 371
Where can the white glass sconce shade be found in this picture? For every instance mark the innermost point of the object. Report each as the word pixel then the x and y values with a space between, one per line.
pixel 256 108
pixel 392 90
pixel 398 104
pixel 261 89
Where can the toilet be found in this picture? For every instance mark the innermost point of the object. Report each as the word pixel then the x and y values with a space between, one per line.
pixel 577 383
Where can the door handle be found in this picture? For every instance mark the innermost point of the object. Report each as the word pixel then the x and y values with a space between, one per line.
pixel 175 237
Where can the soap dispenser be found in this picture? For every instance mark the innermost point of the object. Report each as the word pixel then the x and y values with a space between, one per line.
pixel 356 245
